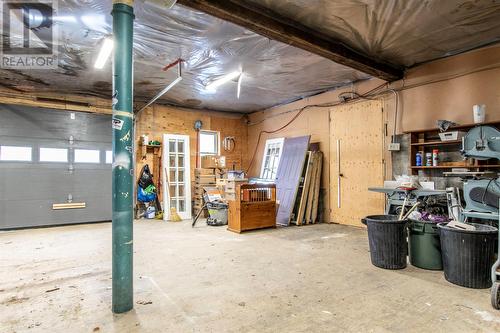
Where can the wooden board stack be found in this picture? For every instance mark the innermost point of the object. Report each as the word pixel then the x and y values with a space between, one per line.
pixel 306 205
pixel 202 178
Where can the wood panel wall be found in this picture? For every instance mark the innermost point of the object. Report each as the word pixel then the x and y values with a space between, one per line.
pixel 159 119
pixel 312 121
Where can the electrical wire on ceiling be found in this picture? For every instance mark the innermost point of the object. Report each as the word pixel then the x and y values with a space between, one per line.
pixel 283 127
pixel 375 91
pixel 369 95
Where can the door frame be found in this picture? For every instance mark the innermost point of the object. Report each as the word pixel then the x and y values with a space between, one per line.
pixel 187 176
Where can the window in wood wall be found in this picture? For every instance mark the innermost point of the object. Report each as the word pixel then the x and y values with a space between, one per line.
pixel 209 143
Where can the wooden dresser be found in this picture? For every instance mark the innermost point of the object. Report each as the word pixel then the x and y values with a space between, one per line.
pixel 254 207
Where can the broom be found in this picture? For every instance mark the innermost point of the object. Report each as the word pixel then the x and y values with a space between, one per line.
pixel 174 216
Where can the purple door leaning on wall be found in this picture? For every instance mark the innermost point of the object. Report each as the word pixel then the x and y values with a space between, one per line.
pixel 288 176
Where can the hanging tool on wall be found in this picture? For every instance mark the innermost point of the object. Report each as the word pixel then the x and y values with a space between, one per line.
pixel 228 144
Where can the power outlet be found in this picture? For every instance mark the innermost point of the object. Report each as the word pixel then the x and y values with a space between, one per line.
pixel 394 147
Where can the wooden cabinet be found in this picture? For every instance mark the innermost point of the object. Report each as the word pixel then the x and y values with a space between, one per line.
pixel 254 207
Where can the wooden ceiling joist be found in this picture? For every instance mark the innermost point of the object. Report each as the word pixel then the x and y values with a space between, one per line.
pixel 274 26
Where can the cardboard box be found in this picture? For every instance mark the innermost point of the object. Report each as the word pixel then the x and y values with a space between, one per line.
pixel 209 162
pixel 230 196
pixel 199 171
pixel 213 162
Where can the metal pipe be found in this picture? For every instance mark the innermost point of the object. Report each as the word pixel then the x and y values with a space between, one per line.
pixel 167 88
pixel 122 178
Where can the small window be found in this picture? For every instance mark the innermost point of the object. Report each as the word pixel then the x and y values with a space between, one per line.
pixel 53 155
pixel 13 153
pixel 209 143
pixel 109 157
pixel 86 156
pixel 271 158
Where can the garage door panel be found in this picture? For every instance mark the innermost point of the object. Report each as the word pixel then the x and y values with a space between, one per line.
pixel 29 189
pixel 40 213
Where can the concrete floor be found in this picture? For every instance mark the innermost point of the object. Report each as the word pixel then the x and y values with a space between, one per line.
pixel 300 279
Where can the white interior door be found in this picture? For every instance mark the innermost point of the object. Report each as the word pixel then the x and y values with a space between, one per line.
pixel 176 175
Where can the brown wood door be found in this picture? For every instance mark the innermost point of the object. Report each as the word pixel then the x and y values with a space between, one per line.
pixel 288 175
pixel 356 161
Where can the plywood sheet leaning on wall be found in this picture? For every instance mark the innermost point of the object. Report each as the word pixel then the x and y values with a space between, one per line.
pixel 356 161
pixel 288 175
pixel 308 193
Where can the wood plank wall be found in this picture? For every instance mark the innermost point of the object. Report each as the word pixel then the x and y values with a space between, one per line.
pixel 312 121
pixel 159 119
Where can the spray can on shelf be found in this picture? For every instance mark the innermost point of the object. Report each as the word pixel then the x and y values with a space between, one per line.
pixel 418 158
pixel 428 159
pixel 435 157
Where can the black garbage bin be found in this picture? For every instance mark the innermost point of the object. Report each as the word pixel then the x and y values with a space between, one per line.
pixel 387 239
pixel 468 254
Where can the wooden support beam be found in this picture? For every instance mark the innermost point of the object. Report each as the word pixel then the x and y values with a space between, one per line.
pixel 275 26
pixel 56 101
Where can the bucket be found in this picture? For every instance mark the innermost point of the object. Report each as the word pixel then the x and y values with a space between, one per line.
pixel 150 212
pixel 468 254
pixel 479 112
pixel 387 240
pixel 425 246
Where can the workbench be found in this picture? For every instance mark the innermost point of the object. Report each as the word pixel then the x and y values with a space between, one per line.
pixel 396 197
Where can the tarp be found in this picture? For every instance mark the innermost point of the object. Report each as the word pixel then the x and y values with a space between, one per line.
pixel 403 33
pixel 400 32
pixel 274 72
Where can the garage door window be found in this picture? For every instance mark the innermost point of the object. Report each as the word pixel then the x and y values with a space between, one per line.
pixel 109 157
pixel 53 155
pixel 86 156
pixel 12 153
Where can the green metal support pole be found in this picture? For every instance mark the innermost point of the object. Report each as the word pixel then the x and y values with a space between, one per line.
pixel 123 134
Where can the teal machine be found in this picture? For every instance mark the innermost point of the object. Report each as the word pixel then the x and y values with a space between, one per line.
pixel 481 190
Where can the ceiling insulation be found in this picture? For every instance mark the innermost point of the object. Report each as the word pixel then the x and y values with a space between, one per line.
pixel 274 73
pixel 402 33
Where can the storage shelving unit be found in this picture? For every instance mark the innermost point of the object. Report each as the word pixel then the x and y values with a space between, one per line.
pixel 428 139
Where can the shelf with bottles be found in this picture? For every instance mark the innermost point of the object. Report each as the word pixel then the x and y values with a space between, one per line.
pixel 427 140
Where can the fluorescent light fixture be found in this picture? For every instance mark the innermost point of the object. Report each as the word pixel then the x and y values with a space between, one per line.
pixel 64 18
pixel 163 92
pixel 104 53
pixel 239 86
pixel 226 78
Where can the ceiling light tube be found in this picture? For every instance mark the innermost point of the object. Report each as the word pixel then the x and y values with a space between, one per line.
pixel 104 53
pixel 226 78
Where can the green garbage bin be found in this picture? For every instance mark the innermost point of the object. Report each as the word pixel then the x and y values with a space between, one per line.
pixel 425 247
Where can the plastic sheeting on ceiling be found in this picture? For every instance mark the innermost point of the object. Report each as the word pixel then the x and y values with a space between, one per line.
pixel 400 32
pixel 274 73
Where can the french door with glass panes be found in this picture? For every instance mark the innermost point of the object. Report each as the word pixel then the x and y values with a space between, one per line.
pixel 176 175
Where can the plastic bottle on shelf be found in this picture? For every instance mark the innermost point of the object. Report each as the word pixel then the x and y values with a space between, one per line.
pixel 428 159
pixel 418 158
pixel 435 157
